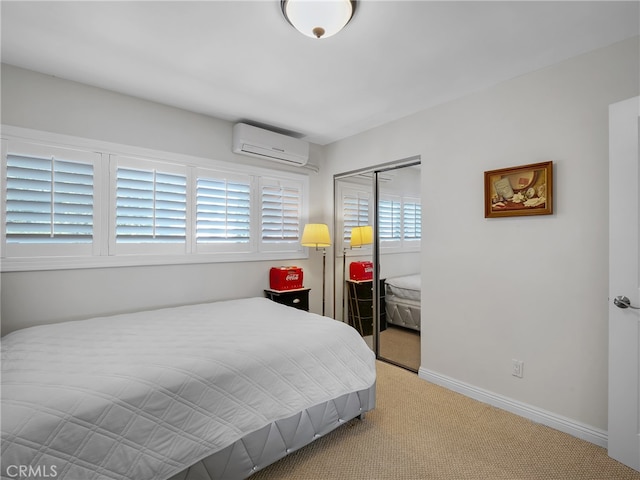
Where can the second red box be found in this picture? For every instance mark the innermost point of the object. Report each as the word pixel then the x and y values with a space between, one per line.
pixel 361 271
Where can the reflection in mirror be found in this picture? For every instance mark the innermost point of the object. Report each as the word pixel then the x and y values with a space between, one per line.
pixel 359 301
pixel 353 263
pixel 399 235
pixel 397 221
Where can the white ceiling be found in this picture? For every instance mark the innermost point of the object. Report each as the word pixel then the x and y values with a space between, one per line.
pixel 240 60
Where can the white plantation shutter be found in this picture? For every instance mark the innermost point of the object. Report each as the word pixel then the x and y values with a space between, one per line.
pixel 76 205
pixel 389 218
pixel 400 222
pixel 355 211
pixel 280 213
pixel 48 200
pixel 223 209
pixel 151 206
pixel 412 220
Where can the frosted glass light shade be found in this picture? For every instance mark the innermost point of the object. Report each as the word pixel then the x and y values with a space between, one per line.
pixel 361 236
pixel 318 18
pixel 316 235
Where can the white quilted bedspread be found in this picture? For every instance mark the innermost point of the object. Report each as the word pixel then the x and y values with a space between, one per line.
pixel 407 286
pixel 145 395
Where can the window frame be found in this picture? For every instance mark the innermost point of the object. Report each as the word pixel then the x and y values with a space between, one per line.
pixel 144 248
pixel 37 250
pixel 293 246
pixel 104 251
pixel 230 247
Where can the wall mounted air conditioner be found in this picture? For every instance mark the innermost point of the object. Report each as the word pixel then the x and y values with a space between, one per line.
pixel 257 142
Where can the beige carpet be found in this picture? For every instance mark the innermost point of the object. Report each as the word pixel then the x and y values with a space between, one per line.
pixel 421 431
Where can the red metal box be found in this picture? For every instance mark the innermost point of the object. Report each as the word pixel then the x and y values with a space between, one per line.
pixel 285 278
pixel 361 271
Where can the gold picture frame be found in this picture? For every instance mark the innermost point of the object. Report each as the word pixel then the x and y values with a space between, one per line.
pixel 519 191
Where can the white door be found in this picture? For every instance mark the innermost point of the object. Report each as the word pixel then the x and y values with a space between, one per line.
pixel 624 281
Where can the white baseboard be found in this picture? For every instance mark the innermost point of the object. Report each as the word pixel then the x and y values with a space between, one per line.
pixel 566 425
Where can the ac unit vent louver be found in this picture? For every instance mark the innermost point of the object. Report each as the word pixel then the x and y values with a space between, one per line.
pixel 260 143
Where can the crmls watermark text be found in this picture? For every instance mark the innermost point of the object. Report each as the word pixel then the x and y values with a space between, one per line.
pixel 29 471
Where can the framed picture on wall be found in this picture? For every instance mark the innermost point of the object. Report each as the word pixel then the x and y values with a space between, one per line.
pixel 519 191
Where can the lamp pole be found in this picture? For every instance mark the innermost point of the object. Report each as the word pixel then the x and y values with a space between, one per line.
pixel 324 268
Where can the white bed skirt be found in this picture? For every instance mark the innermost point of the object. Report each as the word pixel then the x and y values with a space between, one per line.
pixel 280 438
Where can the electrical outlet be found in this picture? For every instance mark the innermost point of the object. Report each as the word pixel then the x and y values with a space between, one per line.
pixel 517 368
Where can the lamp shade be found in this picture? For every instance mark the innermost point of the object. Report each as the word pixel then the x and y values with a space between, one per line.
pixel 361 236
pixel 318 18
pixel 316 235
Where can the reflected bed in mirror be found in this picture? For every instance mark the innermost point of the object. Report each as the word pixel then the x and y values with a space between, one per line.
pixel 400 341
pixel 402 299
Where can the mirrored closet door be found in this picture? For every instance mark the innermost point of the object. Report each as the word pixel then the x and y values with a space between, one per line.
pixel 399 232
pixel 354 237
pixel 377 262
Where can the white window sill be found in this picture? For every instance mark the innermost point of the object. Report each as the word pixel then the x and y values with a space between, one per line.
pixel 23 264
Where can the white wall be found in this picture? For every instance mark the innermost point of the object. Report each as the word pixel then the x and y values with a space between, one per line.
pixel 527 288
pixel 40 102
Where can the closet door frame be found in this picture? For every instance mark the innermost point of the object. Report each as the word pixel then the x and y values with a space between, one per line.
pixel 375 171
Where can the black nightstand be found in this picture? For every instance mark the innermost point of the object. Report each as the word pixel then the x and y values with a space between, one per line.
pixel 298 298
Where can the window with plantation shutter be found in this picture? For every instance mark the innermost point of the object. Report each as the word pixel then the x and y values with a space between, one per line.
pixel 49 200
pixel 73 203
pixel 400 222
pixel 355 211
pixel 389 218
pixel 412 220
pixel 280 213
pixel 223 210
pixel 151 206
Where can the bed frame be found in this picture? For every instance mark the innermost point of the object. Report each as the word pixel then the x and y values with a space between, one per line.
pixel 402 312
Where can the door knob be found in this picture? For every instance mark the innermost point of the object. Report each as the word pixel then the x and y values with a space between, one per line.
pixel 624 302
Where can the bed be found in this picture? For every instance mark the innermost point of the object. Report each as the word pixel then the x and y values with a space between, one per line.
pixel 402 301
pixel 217 390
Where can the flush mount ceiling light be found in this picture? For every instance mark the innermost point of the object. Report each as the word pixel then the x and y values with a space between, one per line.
pixel 318 18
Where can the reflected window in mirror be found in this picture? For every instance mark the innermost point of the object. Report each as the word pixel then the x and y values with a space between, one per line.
pixel 355 212
pixel 400 223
